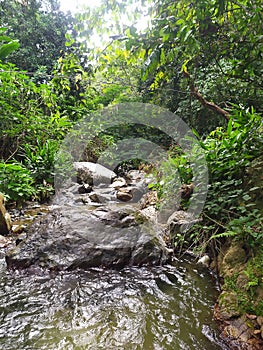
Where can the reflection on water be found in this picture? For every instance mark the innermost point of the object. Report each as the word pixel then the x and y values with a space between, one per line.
pixel 167 307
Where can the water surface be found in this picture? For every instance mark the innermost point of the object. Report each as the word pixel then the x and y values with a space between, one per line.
pixel 157 308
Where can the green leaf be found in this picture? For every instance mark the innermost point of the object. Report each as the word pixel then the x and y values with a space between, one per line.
pixel 246 197
pixel 6 49
pixel 5 38
pixel 229 127
pixel 3 29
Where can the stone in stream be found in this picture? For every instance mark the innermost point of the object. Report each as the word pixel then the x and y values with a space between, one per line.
pixel 88 172
pixel 124 195
pixel 73 237
pixel 84 188
pixel 118 183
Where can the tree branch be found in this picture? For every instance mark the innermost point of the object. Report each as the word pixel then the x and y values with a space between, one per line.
pixel 210 105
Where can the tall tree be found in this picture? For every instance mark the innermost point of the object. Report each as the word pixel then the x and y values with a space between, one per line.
pixel 40 27
pixel 210 48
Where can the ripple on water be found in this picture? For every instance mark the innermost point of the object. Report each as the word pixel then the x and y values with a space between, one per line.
pixel 166 308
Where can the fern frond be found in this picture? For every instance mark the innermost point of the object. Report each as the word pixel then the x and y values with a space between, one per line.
pixel 225 234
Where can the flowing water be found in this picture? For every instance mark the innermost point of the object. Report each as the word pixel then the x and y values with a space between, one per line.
pixel 168 307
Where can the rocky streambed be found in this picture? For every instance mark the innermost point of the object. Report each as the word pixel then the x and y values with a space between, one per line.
pixel 110 223
pixel 94 227
pixel 94 271
pixel 100 220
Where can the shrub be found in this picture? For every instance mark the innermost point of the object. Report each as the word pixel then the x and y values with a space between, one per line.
pixel 16 182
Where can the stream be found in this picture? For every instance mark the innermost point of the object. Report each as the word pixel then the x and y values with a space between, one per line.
pixel 149 308
pixel 157 306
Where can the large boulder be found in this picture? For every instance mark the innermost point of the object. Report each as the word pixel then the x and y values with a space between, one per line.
pixel 73 237
pixel 88 173
pixel 5 219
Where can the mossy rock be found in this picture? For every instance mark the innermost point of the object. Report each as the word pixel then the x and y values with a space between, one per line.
pixel 228 303
pixel 234 259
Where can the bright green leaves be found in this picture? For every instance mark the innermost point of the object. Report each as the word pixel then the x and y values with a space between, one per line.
pixel 7 45
pixel 16 182
pixel 151 63
pixel 8 48
pixel 229 153
pixel 229 127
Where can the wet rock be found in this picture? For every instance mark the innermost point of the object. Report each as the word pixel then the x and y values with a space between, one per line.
pixel 89 173
pixel 72 237
pixel 17 229
pixel 124 195
pixel 84 188
pixel 137 192
pixel 180 221
pixel 5 219
pixel 73 188
pixel 21 237
pixel 118 183
pixel 239 329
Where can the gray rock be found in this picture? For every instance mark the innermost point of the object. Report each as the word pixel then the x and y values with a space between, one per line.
pixel 103 195
pixel 4 241
pixel 136 176
pixel 84 188
pixel 94 197
pixel 73 237
pixel 118 183
pixel 180 221
pixel 90 173
pixel 150 213
pixel 124 195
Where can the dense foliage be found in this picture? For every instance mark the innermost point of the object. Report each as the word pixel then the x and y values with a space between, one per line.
pixel 40 28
